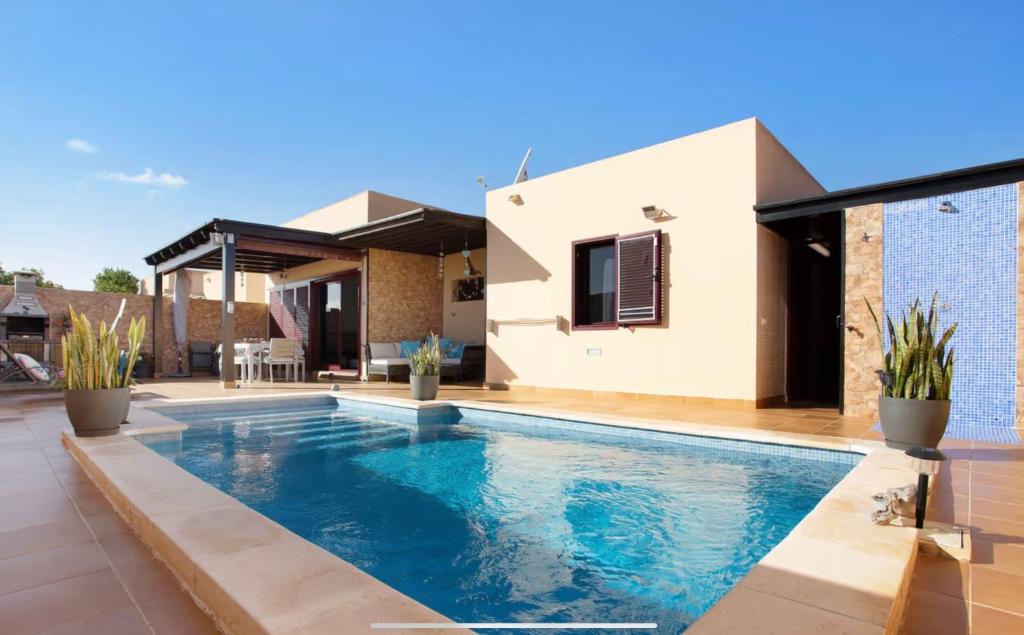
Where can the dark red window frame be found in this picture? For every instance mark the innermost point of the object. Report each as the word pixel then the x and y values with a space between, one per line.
pixel 656 282
pixel 597 326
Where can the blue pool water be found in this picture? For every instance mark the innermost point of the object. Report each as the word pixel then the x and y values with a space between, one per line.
pixel 485 519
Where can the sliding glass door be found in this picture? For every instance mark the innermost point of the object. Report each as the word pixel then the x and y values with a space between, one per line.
pixel 337 312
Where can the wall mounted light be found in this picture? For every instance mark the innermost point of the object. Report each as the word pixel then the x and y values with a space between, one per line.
pixel 946 207
pixel 515 199
pixel 821 248
pixel 652 212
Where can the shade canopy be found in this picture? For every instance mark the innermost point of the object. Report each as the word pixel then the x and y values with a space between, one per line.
pixel 426 231
pixel 259 248
pixel 269 248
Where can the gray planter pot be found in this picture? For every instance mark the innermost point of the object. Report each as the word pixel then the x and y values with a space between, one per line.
pixel 97 413
pixel 911 423
pixel 424 387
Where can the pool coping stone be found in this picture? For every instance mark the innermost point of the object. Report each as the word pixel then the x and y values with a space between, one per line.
pixel 836 571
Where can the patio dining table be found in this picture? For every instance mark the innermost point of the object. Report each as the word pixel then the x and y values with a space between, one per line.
pixel 249 355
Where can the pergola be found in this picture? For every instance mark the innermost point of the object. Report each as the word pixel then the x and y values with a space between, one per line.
pixel 230 245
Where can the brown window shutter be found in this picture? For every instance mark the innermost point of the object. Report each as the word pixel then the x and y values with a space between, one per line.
pixel 276 326
pixel 639 278
pixel 302 316
pixel 288 314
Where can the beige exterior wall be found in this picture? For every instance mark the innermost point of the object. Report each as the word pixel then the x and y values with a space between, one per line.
pixel 707 344
pixel 312 271
pixel 351 212
pixel 463 321
pixel 249 287
pixel 207 285
pixel 779 175
pixel 863 281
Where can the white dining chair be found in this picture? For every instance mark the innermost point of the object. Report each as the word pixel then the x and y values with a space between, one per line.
pixel 282 353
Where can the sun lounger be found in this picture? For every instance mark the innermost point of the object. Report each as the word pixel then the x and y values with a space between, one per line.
pixel 22 368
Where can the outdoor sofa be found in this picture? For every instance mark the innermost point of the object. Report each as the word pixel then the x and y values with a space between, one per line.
pixel 391 358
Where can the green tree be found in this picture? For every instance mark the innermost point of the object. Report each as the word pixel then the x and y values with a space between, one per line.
pixel 7 278
pixel 115 281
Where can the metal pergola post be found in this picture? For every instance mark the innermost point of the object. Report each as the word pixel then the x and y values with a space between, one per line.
pixel 227 311
pixel 158 323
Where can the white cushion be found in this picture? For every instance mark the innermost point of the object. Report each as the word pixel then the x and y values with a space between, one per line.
pixel 383 350
pixel 32 367
pixel 451 361
pixel 389 361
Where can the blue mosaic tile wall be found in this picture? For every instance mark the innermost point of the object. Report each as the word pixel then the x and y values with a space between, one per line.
pixel 970 257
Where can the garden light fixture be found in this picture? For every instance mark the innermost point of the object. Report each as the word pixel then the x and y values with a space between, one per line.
pixel 924 461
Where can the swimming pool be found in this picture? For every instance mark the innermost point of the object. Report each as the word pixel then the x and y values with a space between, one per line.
pixel 489 517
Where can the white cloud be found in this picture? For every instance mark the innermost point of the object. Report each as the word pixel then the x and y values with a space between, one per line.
pixel 81 145
pixel 146 177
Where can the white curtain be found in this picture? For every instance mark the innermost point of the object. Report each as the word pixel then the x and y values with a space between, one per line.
pixel 182 289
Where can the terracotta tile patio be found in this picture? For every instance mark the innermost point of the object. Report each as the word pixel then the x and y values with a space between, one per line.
pixel 68 563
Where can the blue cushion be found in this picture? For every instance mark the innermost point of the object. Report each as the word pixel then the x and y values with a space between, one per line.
pixel 444 343
pixel 455 351
pixel 408 348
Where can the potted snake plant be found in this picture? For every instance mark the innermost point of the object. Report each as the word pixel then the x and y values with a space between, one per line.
pixel 96 374
pixel 916 376
pixel 425 370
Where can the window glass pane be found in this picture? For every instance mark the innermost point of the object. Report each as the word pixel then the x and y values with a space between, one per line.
pixel 601 292
pixel 594 287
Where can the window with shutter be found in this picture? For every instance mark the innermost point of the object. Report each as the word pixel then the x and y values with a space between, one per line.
pixel 639 278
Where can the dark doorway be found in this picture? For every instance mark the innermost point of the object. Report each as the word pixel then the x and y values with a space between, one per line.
pixel 337 309
pixel 814 317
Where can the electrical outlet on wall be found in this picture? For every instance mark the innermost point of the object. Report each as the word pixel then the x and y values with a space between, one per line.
pixel 594 352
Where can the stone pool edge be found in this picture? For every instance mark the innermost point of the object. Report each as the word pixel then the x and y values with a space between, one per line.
pixel 249 573
pixel 834 571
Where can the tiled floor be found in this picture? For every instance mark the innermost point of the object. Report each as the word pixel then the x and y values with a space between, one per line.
pixel 981 487
pixel 68 563
pixel 60 541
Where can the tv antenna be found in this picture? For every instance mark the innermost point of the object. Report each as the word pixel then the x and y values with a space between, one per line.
pixel 521 175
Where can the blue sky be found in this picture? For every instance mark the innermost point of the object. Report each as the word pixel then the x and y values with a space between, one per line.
pixel 263 111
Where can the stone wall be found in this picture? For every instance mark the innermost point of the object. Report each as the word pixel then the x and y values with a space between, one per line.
pixel 96 306
pixel 204 326
pixel 863 280
pixel 203 317
pixel 404 294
